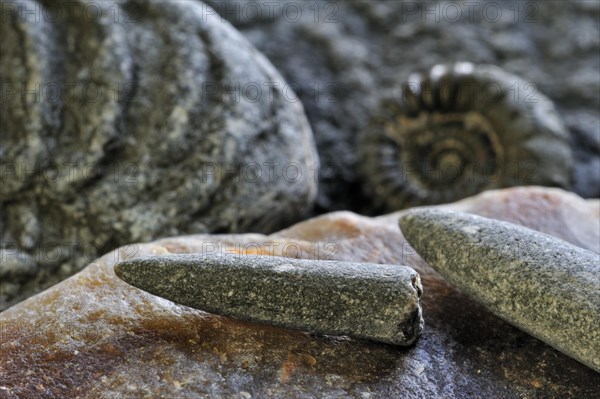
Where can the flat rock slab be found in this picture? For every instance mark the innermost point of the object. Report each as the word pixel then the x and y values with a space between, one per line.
pixel 94 336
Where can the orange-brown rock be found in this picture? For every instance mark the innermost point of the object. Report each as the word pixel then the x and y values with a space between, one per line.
pixel 94 336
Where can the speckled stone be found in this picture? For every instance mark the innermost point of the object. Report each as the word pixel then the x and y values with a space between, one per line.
pixel 543 285
pixel 131 120
pixel 376 302
pixel 93 336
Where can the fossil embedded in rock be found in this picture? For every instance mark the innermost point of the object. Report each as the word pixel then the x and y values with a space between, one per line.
pixel 130 120
pixel 370 301
pixel 458 130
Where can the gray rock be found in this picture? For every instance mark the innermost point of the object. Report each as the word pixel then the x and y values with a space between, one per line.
pixel 127 121
pixel 458 130
pixel 345 56
pixel 125 342
pixel 375 302
pixel 543 285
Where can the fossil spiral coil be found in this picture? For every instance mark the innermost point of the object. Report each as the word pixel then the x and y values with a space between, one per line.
pixel 458 130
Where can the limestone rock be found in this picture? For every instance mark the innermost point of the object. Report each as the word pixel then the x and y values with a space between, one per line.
pixel 344 56
pixel 127 121
pixel 94 336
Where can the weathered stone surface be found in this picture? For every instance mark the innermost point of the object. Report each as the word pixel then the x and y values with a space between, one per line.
pixel 94 336
pixel 539 283
pixel 343 56
pixel 450 134
pixel 368 301
pixel 131 120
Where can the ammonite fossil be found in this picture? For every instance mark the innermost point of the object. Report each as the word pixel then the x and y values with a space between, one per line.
pixel 458 130
pixel 130 120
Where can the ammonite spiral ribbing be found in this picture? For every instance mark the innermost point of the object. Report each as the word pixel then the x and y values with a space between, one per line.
pixel 459 130
pixel 130 120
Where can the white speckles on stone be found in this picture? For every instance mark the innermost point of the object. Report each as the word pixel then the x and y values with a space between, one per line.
pixel 470 230
pixel 334 298
pixel 538 285
pixel 284 268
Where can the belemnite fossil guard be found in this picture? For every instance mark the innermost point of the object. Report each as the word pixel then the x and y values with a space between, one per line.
pixel 539 283
pixel 457 130
pixel 367 301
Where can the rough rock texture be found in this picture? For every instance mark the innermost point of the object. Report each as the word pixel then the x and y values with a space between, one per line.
pixel 343 56
pixel 451 135
pixel 539 283
pixel 131 120
pixel 368 301
pixel 94 336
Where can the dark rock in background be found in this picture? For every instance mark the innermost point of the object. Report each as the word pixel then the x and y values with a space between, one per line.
pixel 451 135
pixel 123 122
pixel 343 56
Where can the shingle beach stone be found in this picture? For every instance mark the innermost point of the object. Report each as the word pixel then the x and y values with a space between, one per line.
pixel 93 336
pixel 539 283
pixel 376 302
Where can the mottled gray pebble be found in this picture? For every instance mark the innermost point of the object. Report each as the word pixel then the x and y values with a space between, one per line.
pixel 370 301
pixel 541 284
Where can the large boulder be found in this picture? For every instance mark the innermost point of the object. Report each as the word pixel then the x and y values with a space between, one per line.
pixel 128 121
pixel 94 336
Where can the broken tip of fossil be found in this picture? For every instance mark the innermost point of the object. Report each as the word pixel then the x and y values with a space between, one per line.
pixel 367 301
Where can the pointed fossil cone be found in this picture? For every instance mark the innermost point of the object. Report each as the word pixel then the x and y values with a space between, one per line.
pixel 370 301
pixel 541 284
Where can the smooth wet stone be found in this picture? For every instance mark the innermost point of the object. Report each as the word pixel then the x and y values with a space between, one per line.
pixel 539 283
pixel 369 301
pixel 95 336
